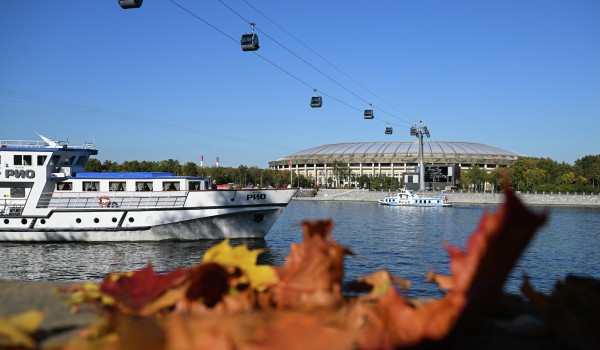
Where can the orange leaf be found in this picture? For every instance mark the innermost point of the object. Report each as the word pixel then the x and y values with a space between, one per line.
pixel 311 276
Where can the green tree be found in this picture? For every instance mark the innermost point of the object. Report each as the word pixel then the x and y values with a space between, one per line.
pixel 110 166
pixel 496 177
pixel 589 167
pixel 478 177
pixel 189 169
pixel 340 171
pixel 534 177
pixel 93 165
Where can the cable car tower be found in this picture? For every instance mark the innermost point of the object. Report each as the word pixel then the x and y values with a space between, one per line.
pixel 419 131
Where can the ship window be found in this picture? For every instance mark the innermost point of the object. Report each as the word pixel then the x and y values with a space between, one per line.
pixel 143 186
pixel 54 160
pixel 81 160
pixel 69 160
pixel 27 160
pixel 64 186
pixel 194 186
pixel 18 160
pixel 91 185
pixel 170 186
pixel 116 186
pixel 17 192
pixel 41 160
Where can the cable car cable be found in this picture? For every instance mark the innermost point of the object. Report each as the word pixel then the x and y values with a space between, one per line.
pixel 129 118
pixel 271 62
pixel 324 59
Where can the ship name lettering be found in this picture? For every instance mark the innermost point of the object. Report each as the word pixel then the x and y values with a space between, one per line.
pixel 29 174
pixel 256 196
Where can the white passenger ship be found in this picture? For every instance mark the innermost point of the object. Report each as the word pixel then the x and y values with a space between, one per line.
pixel 45 195
pixel 406 197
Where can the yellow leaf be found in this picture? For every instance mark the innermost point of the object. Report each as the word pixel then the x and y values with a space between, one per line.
pixel 15 331
pixel 260 276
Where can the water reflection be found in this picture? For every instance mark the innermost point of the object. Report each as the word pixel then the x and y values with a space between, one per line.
pixel 93 261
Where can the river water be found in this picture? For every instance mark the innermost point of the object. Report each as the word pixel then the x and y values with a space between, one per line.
pixel 407 241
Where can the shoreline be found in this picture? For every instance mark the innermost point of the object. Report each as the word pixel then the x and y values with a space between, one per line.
pixel 553 199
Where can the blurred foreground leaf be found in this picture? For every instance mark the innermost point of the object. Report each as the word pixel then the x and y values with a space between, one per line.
pixel 16 331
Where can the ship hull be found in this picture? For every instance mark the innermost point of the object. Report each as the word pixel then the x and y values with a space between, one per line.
pixel 194 225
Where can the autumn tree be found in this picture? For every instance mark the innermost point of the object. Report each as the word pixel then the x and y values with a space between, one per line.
pixel 189 169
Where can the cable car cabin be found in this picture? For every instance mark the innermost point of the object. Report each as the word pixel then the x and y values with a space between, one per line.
pixel 388 130
pixel 130 4
pixel 249 42
pixel 369 114
pixel 316 101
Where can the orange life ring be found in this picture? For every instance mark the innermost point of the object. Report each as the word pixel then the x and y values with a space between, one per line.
pixel 104 201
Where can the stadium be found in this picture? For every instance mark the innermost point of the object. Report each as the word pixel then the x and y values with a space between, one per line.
pixel 400 160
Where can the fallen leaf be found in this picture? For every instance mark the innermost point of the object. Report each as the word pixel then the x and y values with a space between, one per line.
pixel 16 331
pixel 131 293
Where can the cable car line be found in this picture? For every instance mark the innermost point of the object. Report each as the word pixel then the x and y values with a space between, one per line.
pixel 205 22
pixel 308 63
pixel 279 67
pixel 324 59
pixel 129 118
pixel 294 54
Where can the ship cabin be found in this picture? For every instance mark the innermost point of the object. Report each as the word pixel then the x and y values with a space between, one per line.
pixel 47 174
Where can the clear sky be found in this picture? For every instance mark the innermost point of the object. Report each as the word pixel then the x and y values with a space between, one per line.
pixel 169 80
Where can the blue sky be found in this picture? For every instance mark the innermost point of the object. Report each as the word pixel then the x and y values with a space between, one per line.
pixel 159 82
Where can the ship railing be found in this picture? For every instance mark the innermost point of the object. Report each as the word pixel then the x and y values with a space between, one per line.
pixel 126 200
pixel 41 144
pixel 12 207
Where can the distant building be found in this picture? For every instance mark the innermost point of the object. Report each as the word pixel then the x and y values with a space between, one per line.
pixel 443 161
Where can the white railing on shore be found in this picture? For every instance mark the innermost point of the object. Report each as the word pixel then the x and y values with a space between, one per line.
pixel 127 200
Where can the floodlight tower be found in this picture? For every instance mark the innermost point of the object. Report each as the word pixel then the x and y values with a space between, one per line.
pixel 419 131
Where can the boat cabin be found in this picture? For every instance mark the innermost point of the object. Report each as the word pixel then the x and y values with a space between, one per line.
pixel 35 174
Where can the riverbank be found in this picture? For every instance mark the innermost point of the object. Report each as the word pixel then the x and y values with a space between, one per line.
pixel 567 199
pixel 58 325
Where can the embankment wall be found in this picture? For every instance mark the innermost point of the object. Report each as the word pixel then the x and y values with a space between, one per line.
pixel 570 199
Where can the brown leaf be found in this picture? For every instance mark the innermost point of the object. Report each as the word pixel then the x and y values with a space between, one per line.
pixel 132 292
pixel 311 276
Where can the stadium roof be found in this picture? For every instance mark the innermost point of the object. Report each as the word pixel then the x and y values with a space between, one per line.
pixel 443 152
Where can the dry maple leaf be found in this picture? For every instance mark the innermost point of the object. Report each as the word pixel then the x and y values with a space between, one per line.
pixel 134 291
pixel 312 273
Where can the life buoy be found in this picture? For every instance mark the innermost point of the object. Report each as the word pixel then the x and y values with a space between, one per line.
pixel 104 201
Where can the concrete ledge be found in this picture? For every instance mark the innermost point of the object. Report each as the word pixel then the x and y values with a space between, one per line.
pixel 466 197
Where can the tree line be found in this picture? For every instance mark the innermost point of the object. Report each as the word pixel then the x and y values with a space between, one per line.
pixel 526 174
pixel 538 174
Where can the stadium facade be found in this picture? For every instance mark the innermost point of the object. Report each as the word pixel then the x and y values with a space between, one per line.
pixel 443 161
